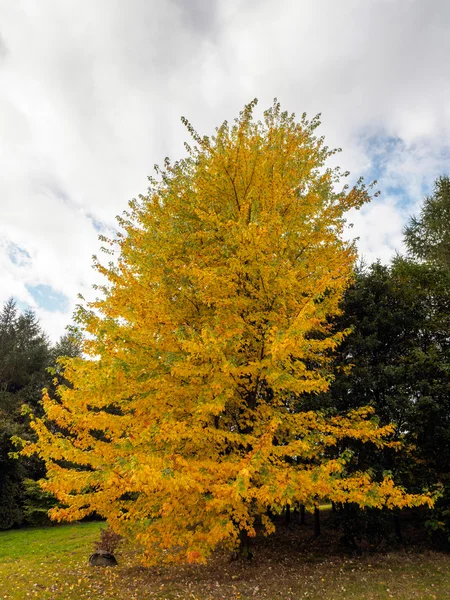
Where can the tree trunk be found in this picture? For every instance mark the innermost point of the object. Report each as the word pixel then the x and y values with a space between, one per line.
pixel 244 550
pixel 398 528
pixel 287 514
pixel 302 514
pixel 316 521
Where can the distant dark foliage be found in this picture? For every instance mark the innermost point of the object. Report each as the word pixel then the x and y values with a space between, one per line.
pixel 25 356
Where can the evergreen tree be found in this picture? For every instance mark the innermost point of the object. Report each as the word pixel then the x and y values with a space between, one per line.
pixel 24 358
pixel 397 358
pixel 427 237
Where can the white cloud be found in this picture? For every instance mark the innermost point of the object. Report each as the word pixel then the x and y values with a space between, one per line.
pixel 381 225
pixel 91 94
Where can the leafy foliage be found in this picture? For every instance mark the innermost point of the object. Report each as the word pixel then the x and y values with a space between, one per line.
pixel 181 424
pixel 109 540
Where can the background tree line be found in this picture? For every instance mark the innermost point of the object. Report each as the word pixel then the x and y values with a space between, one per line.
pixel 26 355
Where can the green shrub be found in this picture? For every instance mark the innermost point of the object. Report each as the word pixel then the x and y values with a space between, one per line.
pixel 37 503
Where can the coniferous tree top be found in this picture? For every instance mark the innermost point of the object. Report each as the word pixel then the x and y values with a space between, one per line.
pixel 427 237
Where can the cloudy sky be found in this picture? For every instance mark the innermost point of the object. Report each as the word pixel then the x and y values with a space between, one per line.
pixel 91 94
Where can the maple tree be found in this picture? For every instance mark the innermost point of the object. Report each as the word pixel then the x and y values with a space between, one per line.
pixel 180 423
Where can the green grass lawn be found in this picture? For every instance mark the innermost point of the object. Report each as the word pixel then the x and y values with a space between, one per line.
pixel 51 563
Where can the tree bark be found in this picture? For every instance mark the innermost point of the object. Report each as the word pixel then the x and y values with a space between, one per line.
pixel 302 514
pixel 398 528
pixel 287 514
pixel 244 550
pixel 316 521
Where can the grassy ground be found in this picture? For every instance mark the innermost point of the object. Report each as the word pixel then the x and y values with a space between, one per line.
pixel 51 563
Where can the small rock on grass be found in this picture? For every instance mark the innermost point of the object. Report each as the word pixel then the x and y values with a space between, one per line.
pixel 100 558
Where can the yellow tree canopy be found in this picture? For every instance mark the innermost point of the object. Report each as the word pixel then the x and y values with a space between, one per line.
pixel 179 425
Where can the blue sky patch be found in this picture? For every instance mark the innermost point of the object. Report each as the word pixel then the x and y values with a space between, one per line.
pixel 17 255
pixel 381 149
pixel 387 156
pixel 98 225
pixel 48 298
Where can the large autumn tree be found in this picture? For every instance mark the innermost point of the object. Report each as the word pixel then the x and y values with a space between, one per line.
pixel 179 425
